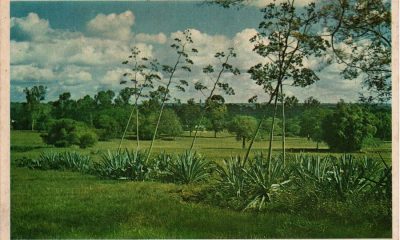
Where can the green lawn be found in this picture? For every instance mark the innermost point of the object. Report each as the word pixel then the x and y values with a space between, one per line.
pixel 56 204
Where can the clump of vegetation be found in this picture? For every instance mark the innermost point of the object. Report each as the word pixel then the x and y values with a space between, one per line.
pixel 129 165
pixel 347 128
pixel 72 161
pixel 189 168
pixel 67 132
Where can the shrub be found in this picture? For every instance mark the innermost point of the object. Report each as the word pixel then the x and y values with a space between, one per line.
pixel 87 140
pixel 189 168
pixel 347 128
pixel 58 161
pixel 123 165
pixel 67 132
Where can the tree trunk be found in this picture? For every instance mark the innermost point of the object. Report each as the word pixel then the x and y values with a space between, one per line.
pixel 243 142
pixel 190 133
pixel 317 146
pixel 33 125
pixel 215 134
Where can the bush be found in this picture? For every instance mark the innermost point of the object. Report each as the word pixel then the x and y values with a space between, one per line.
pixel 189 168
pixel 87 140
pixel 67 132
pixel 57 161
pixel 347 128
pixel 123 165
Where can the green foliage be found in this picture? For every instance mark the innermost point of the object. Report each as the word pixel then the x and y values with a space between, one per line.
pixel 311 123
pixel 123 165
pixel 58 161
pixel 67 132
pixel 244 127
pixel 188 168
pixel 190 115
pixel 347 127
pixel 108 127
pixel 87 140
pixel 216 112
pixel 170 124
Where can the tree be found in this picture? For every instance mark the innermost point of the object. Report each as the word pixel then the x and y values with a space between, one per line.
pixel 170 126
pixel 142 78
pixel 190 114
pixel 243 127
pixel 287 37
pixel 33 97
pixel 311 124
pixel 86 107
pixel 64 106
pixel 216 112
pixel 360 36
pixel 184 63
pixel 124 96
pixel 108 126
pixel 217 85
pixel 347 127
pixel 311 102
pixel 104 99
pixel 291 102
pixel 383 125
pixel 67 132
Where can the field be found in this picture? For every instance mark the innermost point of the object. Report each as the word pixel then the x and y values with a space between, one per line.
pixel 62 204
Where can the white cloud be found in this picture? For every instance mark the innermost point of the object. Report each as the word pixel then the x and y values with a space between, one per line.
pixel 74 75
pixel 151 38
pixel 112 26
pixel 30 28
pixel 31 73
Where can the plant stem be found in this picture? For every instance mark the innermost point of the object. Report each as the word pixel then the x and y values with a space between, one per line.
pixel 163 103
pixel 283 128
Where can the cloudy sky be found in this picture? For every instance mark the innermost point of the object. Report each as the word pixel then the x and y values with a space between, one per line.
pixel 78 47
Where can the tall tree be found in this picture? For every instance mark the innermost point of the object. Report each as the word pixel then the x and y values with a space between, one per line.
pixel 360 35
pixel 218 85
pixel 34 96
pixel 287 37
pixel 183 62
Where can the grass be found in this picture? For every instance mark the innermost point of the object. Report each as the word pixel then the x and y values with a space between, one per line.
pixel 53 204
pixel 62 204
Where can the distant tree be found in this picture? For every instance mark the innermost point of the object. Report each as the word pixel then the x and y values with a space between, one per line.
pixel 86 107
pixel 170 126
pixel 383 124
pixel 311 124
pixel 108 126
pixel 104 99
pixel 293 127
pixel 311 102
pixel 67 132
pixel 347 127
pixel 243 127
pixel 124 96
pixel 64 107
pixel 291 102
pixel 34 96
pixel 216 112
pixel 190 114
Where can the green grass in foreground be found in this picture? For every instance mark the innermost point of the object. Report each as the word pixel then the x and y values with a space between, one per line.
pixel 54 204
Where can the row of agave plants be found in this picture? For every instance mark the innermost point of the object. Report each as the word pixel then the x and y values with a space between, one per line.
pixel 250 185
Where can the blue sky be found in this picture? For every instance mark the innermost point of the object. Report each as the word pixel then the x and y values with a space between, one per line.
pixel 79 46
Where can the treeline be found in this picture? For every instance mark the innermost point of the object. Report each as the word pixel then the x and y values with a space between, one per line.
pixel 106 115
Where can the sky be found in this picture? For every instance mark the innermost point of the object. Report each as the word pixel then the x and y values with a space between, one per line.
pixel 79 47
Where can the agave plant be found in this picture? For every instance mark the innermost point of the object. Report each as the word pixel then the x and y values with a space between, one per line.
pixel 312 170
pixel 159 166
pixel 48 160
pixel 348 176
pixel 264 178
pixel 231 178
pixel 188 168
pixel 74 161
pixel 122 165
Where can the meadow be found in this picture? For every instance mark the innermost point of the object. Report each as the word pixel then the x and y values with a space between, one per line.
pixel 65 204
